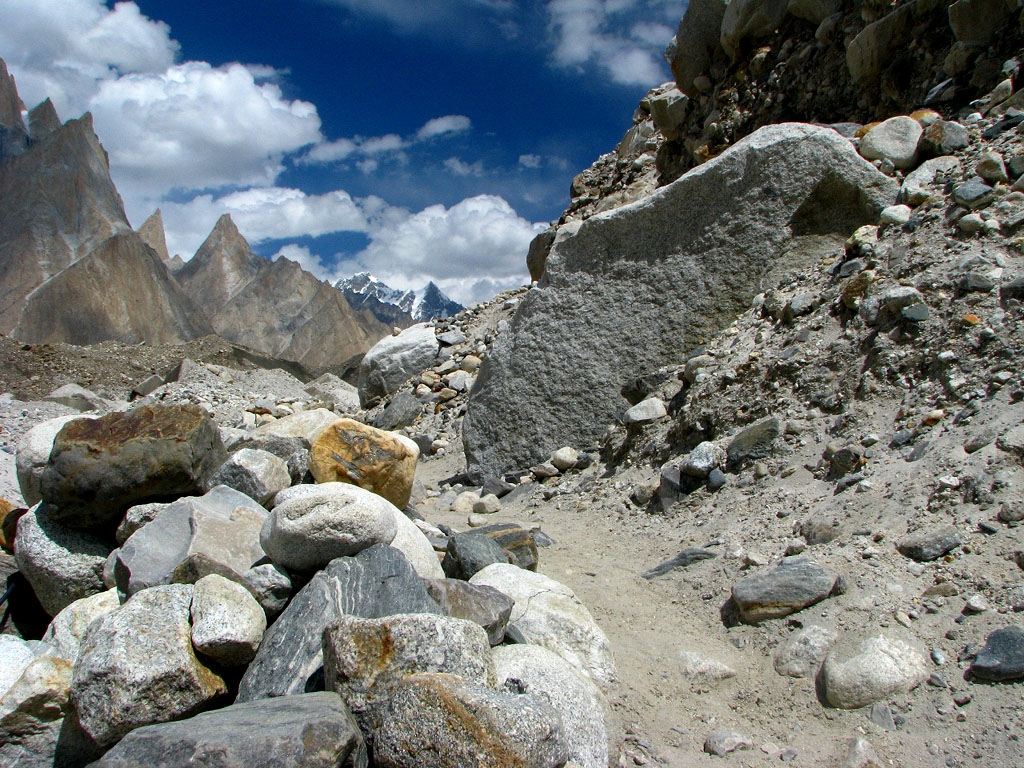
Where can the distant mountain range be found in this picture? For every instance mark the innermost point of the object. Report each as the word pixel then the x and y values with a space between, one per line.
pixel 394 306
pixel 73 270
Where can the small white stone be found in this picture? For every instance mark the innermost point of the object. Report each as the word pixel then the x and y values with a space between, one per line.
pixel 971 223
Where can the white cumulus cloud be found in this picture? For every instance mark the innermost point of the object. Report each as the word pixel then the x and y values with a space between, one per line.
pixel 368 151
pixel 440 126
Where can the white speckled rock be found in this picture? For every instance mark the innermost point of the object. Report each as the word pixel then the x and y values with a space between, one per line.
pixel 68 627
pixel 227 622
pixel 411 542
pixel 874 670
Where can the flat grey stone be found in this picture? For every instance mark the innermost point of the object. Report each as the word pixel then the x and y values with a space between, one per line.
pixel 1002 657
pixel 929 544
pixel 480 604
pixel 470 552
pixel 792 586
pixel 312 730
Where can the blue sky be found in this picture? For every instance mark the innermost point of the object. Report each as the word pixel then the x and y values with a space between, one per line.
pixel 419 139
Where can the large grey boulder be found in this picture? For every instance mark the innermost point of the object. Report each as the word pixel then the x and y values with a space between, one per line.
pixel 218 532
pixel 664 273
pixel 796 583
pixel 436 720
pixel 696 43
pixel 313 730
pixel 377 582
pixel 585 712
pixel 364 657
pixel 137 666
pixel 549 614
pixel 392 360
pixel 413 543
pixel 314 524
pixel 61 564
pixel 100 467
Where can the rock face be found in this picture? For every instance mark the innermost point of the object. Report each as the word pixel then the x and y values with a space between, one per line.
pixel 101 467
pixel 137 666
pixel 274 307
pixel 662 279
pixel 314 730
pixel 89 277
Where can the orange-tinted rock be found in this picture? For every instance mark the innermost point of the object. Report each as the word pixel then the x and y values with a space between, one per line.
pixel 379 461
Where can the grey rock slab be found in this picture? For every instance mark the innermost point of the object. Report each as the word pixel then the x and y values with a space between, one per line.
pixel 585 713
pixel 68 628
pixel 973 193
pixel 137 666
pixel 662 279
pixel 33 454
pixel 258 474
pixel 754 442
pixel 377 582
pixel 403 411
pixel 271 586
pixel 312 730
pixel 227 622
pixel 442 721
pixel 871 671
pixel 364 657
pixel 218 532
pixel 305 425
pixel 796 583
pixel 395 359
pixel 138 516
pixel 549 614
pixel 803 652
pixel 100 467
pixel 61 564
pixel 314 524
pixel 929 544
pixel 1002 657
pixel 482 605
pixel 929 178
pixel 468 553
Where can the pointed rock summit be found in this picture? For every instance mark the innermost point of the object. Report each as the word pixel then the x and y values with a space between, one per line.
pixel 152 234
pixel 274 307
pixel 71 268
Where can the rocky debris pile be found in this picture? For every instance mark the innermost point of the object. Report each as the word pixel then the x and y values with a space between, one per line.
pixel 181 578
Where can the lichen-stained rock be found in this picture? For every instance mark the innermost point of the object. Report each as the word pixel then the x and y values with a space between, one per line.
pixel 351 452
pixel 549 614
pixel 364 657
pixel 61 564
pixel 665 272
pixel 480 604
pixel 871 671
pixel 218 532
pixel 227 622
pixel 377 582
pixel 34 454
pixel 312 730
pixel 442 721
pixel 792 586
pixel 393 359
pixel 101 467
pixel 137 666
pixel 586 715
pixel 311 525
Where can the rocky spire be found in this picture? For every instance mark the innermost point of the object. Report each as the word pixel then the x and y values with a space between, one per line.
pixel 43 120
pixel 152 234
pixel 13 134
pixel 221 268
